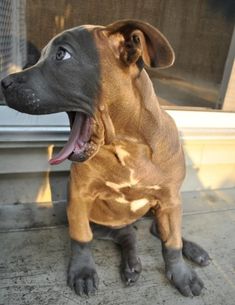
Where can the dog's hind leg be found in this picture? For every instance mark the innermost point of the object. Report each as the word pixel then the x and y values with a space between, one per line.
pixel 190 250
pixel 126 239
pixel 168 215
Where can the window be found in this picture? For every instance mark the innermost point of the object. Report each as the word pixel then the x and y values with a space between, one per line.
pixel 201 33
pixel 198 91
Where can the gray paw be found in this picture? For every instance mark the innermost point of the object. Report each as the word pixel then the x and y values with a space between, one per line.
pixel 84 280
pixel 184 279
pixel 195 253
pixel 82 276
pixel 190 249
pixel 130 270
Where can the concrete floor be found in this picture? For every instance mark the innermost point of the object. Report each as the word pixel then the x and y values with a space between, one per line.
pixel 33 262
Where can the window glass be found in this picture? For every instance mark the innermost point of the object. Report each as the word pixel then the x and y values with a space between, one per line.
pixel 200 32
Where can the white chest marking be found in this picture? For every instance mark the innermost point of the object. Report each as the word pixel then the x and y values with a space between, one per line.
pixel 121 199
pixel 138 204
pixel 153 187
pixel 117 186
pixel 122 154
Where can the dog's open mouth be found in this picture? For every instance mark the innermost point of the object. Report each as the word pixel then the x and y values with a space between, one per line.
pixel 79 146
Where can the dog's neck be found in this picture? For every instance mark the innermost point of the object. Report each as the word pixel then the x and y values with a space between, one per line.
pixel 148 98
pixel 139 118
pixel 138 111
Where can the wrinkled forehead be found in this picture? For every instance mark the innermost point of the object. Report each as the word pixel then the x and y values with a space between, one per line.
pixel 78 32
pixel 81 37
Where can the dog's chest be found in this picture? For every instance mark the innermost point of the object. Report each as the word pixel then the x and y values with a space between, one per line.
pixel 129 187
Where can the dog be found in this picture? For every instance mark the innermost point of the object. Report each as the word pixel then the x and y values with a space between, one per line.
pixel 125 150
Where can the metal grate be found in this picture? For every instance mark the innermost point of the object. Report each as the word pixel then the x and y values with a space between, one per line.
pixel 12 36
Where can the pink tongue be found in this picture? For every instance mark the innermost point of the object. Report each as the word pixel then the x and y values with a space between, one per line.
pixel 70 146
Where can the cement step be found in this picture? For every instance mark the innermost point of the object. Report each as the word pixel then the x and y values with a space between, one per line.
pixel 34 261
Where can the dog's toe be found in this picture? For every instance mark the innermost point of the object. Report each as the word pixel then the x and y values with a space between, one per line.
pixel 195 253
pixel 84 282
pixel 130 271
pixel 79 287
pixel 185 279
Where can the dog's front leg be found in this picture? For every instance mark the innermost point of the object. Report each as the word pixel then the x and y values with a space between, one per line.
pixel 82 275
pixel 168 217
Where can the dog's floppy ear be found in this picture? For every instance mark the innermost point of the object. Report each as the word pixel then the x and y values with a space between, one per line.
pixel 142 42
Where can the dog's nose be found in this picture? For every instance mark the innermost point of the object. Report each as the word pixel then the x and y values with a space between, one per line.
pixel 6 82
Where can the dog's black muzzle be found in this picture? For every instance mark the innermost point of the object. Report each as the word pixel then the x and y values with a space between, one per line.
pixel 21 92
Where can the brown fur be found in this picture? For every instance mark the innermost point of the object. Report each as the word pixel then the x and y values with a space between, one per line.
pixel 140 162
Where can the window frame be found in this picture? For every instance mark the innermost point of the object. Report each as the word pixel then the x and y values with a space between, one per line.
pixel 16 128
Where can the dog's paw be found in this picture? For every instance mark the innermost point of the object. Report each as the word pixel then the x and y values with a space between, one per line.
pixel 84 281
pixel 184 279
pixel 130 270
pixel 195 253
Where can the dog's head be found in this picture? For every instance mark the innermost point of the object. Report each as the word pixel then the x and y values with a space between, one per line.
pixel 85 71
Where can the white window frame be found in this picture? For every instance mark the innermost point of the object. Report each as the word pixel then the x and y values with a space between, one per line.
pixel 19 128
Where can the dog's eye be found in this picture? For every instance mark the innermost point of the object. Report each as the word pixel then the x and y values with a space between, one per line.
pixel 62 54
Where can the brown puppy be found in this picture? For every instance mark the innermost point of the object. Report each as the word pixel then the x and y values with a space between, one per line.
pixel 129 156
